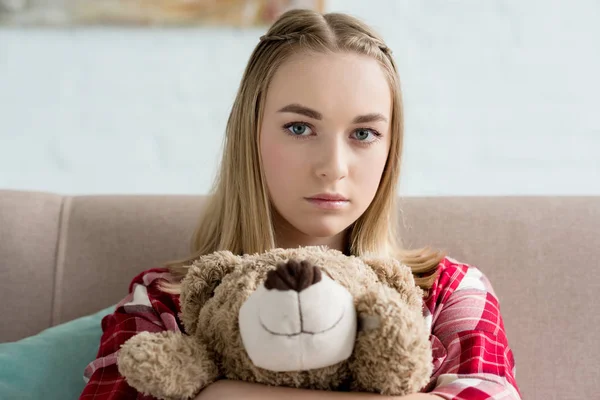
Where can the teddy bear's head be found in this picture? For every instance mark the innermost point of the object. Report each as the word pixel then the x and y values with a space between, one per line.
pixel 300 317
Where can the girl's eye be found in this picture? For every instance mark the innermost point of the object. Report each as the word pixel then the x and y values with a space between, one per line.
pixel 298 129
pixel 366 135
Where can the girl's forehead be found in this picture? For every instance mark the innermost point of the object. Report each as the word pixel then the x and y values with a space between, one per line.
pixel 330 83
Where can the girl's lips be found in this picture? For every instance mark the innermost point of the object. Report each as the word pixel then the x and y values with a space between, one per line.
pixel 332 196
pixel 328 204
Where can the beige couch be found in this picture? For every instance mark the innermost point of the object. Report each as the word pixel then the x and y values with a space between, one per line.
pixel 65 257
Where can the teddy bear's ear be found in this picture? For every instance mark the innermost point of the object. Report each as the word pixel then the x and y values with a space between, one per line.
pixel 198 285
pixel 395 274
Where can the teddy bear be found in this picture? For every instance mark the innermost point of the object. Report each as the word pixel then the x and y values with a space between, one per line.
pixel 309 317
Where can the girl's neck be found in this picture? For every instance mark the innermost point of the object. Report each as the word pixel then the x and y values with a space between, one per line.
pixel 287 236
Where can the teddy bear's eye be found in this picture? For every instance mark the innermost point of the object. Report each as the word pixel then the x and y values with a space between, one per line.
pixel 368 322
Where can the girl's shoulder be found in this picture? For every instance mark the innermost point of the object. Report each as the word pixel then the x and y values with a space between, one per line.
pixel 454 276
pixel 146 293
pixel 150 277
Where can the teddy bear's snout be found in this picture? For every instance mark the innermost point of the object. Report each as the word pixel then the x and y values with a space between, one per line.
pixel 298 300
pixel 293 275
pixel 298 319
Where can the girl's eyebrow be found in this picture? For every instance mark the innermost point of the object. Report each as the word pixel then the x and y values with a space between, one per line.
pixel 300 109
pixel 373 117
pixel 310 113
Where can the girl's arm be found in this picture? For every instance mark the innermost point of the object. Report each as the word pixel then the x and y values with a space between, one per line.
pixel 472 358
pixel 233 390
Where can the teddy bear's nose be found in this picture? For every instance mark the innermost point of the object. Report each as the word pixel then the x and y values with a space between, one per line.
pixel 293 275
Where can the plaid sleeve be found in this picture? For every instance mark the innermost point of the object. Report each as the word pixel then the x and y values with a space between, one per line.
pixel 471 356
pixel 146 308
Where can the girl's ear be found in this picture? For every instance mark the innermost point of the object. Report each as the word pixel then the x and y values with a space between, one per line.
pixel 198 286
pixel 396 275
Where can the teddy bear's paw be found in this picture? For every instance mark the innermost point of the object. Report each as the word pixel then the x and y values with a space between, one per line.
pixel 166 365
pixel 392 354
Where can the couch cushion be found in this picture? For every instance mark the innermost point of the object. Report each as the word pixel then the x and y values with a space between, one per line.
pixel 29 225
pixel 107 240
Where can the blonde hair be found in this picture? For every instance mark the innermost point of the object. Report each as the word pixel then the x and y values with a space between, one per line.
pixel 238 214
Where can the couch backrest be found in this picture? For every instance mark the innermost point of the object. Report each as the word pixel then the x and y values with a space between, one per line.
pixel 65 257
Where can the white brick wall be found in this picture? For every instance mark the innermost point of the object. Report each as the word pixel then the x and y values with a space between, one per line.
pixel 501 98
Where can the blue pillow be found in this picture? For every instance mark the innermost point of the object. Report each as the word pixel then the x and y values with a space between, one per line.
pixel 50 365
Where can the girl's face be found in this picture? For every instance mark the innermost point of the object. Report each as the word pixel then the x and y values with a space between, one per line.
pixel 324 142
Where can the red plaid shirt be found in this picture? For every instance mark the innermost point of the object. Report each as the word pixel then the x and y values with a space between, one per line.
pixel 471 356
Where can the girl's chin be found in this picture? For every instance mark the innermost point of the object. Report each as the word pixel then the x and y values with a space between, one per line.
pixel 322 230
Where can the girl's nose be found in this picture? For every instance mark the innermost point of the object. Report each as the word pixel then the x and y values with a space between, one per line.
pixel 332 161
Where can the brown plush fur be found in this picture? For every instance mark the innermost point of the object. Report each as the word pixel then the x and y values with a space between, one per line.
pixel 392 353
